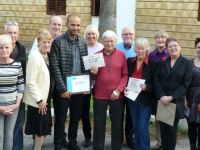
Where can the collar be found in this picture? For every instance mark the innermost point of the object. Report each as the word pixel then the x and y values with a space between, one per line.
pixel 72 40
pixel 165 51
pixel 146 59
pixel 109 53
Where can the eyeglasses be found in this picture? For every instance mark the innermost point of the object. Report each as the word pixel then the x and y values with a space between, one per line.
pixel 127 34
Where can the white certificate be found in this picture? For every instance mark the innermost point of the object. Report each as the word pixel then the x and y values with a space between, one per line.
pixel 93 60
pixel 134 88
pixel 78 83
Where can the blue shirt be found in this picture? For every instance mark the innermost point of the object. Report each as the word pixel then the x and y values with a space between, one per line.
pixel 129 52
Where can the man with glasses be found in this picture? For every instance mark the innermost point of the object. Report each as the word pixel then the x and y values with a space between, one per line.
pixel 127 46
pixel 18 54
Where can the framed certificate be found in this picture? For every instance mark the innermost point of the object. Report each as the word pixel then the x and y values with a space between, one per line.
pixel 77 84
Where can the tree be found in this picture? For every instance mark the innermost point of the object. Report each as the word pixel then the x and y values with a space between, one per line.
pixel 107 16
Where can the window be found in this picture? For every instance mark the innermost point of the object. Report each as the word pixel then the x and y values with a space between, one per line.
pixel 56 7
pixel 199 12
pixel 95 7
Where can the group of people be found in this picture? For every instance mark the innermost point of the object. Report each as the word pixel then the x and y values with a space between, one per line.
pixel 35 81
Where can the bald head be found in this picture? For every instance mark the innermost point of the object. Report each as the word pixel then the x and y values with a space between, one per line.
pixel 128 35
pixel 55 26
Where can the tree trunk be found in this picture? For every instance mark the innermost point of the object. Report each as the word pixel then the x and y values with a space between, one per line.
pixel 107 16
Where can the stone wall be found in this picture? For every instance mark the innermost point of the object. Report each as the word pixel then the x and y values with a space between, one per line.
pixel 31 15
pixel 177 17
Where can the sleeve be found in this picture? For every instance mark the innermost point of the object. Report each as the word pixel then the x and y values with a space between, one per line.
pixel 158 88
pixel 187 77
pixel 55 64
pixel 32 71
pixel 20 83
pixel 124 74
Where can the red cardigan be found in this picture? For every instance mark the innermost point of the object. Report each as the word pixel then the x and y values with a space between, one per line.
pixel 113 76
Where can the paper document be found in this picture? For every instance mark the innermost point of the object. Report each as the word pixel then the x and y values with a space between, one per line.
pixel 134 88
pixel 166 113
pixel 91 60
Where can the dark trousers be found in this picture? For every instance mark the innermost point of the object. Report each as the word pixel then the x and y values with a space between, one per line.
pixel 194 134
pixel 168 135
pixel 76 105
pixel 61 106
pixel 128 124
pixel 115 111
pixel 18 140
pixel 85 116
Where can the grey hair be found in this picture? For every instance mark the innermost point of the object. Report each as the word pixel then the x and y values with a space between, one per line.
pixel 11 23
pixel 6 39
pixel 91 28
pixel 109 33
pixel 142 42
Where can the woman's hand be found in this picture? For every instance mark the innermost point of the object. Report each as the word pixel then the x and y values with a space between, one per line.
pixel 42 107
pixel 166 99
pixel 126 90
pixel 94 70
pixel 143 87
pixel 115 95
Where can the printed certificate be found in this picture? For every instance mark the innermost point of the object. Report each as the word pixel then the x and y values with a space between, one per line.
pixel 77 84
pixel 93 60
pixel 134 88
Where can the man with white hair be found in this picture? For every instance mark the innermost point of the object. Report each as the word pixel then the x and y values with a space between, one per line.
pixel 18 54
pixel 127 46
pixel 108 92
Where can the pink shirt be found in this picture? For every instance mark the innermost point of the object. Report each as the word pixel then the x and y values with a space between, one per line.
pixel 113 76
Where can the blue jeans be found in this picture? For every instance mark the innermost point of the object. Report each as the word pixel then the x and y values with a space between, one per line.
pixel 140 116
pixel 18 141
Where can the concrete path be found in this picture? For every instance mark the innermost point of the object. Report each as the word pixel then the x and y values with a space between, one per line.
pixel 182 144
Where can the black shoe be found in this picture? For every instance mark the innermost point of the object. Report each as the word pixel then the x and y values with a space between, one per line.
pixel 87 143
pixel 65 144
pixel 130 145
pixel 73 147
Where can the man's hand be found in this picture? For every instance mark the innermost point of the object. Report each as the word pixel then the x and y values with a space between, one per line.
pixel 65 95
pixel 115 95
pixel 94 70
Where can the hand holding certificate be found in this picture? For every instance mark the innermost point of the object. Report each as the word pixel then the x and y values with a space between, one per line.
pixel 93 60
pixel 78 84
pixel 134 88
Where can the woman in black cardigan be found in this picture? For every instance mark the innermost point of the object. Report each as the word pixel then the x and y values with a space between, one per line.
pixel 141 67
pixel 171 82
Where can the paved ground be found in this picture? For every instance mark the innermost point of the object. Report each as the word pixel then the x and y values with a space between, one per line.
pixel 182 144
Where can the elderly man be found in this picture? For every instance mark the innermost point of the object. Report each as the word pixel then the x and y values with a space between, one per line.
pixel 66 59
pixel 108 92
pixel 18 54
pixel 127 46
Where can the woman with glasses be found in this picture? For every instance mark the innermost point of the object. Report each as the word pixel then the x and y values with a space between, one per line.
pixel 171 82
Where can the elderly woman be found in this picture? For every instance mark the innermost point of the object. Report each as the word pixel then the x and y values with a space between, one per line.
pixel 141 67
pixel 171 82
pixel 193 101
pixel 38 90
pixel 108 92
pixel 11 92
pixel 159 54
pixel 91 35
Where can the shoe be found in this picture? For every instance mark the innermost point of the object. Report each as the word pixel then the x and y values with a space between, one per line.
pixel 73 147
pixel 65 144
pixel 130 145
pixel 87 143
pixel 156 147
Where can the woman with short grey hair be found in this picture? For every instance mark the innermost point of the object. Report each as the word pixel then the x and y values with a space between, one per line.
pixel 140 67
pixel 11 92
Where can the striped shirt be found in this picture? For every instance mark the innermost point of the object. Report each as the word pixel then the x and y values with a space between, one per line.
pixel 11 83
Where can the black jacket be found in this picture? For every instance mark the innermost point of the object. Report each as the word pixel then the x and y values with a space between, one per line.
pixel 174 81
pixel 145 97
pixel 61 59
